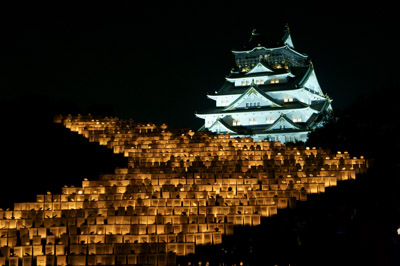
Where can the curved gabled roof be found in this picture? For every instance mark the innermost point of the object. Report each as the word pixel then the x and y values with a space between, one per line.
pixel 253 88
pixel 295 76
pixel 283 119
pixel 287 38
pixel 259 68
pixel 257 74
pixel 221 110
pixel 270 49
pixel 261 41
pixel 306 76
pixel 219 123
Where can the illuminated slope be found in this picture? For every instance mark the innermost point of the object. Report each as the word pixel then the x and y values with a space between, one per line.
pixel 180 189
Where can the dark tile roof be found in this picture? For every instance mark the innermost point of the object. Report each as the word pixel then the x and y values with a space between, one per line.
pixel 229 88
pixel 218 110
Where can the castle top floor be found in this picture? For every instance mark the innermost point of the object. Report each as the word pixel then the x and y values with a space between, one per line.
pixel 279 56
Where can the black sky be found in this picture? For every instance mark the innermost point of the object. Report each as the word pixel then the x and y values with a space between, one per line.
pixel 157 61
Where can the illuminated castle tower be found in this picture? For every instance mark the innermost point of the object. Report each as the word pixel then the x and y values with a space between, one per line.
pixel 180 189
pixel 272 93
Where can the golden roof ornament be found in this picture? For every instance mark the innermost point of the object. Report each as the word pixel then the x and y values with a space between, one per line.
pixel 287 27
pixel 327 97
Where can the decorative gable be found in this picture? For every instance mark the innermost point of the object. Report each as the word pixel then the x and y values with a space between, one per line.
pixel 283 122
pixel 288 41
pixel 310 81
pixel 219 127
pixel 252 97
pixel 259 68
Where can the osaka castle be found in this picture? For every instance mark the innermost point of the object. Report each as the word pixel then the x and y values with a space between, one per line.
pixel 272 93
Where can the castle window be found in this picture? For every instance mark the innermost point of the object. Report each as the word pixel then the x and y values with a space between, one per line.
pixel 243 83
pixel 285 99
pixel 297 118
pixel 257 104
pixel 252 121
pixel 290 98
pixel 269 120
pixel 274 81
pixel 236 123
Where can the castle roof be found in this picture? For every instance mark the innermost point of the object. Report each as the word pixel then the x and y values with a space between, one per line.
pixel 220 125
pixel 259 70
pixel 299 75
pixel 276 48
pixel 283 120
pixel 257 40
pixel 285 106
pixel 287 38
pixel 255 90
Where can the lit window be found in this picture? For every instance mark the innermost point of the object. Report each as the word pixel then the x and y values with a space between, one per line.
pixel 285 99
pixel 274 81
pixel 258 82
pixel 262 81
pixel 297 118
pixel 247 82
pixel 269 120
pixel 252 121
pixel 290 98
pixel 236 123
pixel 243 83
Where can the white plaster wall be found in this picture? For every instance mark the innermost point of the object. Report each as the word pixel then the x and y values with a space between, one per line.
pixel 226 100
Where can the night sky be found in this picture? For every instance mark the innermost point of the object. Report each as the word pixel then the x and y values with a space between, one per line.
pixel 156 62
